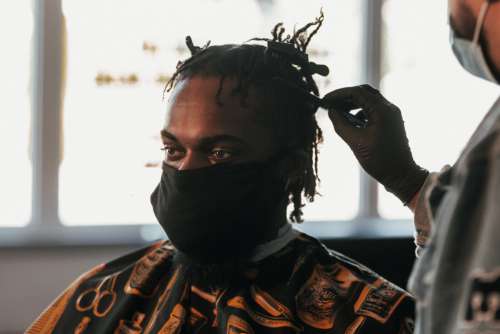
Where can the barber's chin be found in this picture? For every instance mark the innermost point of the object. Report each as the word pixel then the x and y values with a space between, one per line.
pixel 216 272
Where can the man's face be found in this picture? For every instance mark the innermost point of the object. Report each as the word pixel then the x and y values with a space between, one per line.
pixel 198 132
pixel 463 18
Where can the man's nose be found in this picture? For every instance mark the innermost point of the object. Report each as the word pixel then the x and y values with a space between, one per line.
pixel 193 160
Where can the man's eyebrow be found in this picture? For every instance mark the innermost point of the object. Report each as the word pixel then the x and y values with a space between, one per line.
pixel 167 135
pixel 207 141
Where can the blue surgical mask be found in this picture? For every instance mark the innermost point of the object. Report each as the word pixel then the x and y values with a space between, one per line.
pixel 469 53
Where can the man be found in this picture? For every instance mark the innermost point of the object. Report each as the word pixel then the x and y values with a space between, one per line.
pixel 240 142
pixel 457 213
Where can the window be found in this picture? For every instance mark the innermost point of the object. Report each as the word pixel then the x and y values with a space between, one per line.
pixel 422 77
pixel 100 68
pixel 118 59
pixel 16 27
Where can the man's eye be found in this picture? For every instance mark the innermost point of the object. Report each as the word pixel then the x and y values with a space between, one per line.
pixel 221 154
pixel 172 153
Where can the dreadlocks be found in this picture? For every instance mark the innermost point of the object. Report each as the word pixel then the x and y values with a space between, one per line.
pixel 257 67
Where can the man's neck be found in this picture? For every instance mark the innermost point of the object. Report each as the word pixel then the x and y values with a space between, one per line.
pixel 285 234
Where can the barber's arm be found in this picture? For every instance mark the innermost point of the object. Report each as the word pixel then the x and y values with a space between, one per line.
pixel 381 146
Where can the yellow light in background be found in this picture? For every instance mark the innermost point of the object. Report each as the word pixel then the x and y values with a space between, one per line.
pixel 111 130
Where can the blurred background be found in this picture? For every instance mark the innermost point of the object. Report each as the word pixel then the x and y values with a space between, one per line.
pixel 81 108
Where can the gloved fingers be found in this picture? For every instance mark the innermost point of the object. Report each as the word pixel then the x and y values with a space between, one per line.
pixel 350 98
pixel 361 116
pixel 343 127
pixel 373 105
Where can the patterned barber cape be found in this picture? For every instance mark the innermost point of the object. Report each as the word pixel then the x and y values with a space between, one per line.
pixel 303 288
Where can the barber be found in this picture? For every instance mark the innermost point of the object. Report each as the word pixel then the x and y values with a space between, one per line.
pixel 456 211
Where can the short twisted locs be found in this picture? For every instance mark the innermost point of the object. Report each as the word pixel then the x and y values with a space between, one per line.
pixel 292 116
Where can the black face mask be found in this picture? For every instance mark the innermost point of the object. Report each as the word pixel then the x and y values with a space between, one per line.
pixel 220 213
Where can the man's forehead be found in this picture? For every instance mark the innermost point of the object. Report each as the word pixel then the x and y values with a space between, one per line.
pixel 195 99
pixel 193 110
pixel 199 85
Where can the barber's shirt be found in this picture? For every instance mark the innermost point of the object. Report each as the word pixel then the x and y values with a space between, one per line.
pixel 300 287
pixel 457 278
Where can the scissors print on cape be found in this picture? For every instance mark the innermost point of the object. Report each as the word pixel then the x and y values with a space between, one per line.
pixel 99 299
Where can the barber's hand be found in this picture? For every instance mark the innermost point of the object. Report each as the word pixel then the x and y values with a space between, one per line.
pixel 381 147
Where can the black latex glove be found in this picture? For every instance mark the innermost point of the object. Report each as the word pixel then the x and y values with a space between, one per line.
pixel 381 146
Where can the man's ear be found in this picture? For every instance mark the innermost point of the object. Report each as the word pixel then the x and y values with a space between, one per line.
pixel 292 167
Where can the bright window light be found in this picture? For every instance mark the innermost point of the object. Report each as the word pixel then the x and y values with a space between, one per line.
pixel 16 29
pixel 441 103
pixel 119 53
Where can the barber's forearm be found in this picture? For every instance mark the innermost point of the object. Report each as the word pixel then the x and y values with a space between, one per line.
pixel 421 219
pixel 412 205
pixel 422 215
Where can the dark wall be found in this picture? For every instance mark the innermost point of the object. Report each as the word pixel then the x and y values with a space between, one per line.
pixel 392 258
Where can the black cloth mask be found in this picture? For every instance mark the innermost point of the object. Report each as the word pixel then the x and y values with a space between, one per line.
pixel 220 213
